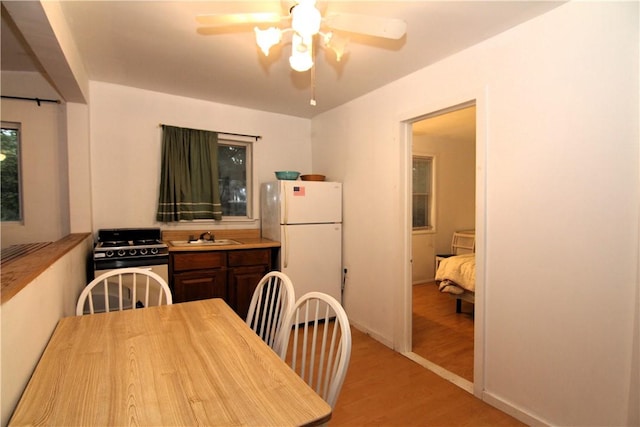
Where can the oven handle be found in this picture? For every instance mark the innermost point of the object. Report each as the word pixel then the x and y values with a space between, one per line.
pixel 110 264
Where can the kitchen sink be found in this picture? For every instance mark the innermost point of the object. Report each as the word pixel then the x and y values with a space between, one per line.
pixel 195 243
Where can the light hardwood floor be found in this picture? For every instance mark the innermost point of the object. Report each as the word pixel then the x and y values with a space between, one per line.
pixel 441 335
pixel 384 388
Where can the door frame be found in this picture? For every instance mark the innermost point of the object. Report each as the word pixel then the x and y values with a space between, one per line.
pixel 403 294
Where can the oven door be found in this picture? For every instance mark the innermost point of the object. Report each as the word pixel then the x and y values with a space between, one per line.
pixel 161 270
pixel 104 266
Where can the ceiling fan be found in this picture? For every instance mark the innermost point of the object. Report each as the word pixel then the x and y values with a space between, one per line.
pixel 306 24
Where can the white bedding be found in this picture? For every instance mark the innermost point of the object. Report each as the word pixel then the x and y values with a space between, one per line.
pixel 457 274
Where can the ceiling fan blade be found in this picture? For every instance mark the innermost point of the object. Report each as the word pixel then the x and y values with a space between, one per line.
pixel 216 20
pixel 389 28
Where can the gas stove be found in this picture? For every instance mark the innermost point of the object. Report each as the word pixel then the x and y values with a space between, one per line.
pixel 129 247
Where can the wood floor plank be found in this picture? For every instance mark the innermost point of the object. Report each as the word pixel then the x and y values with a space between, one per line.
pixel 441 335
pixel 384 388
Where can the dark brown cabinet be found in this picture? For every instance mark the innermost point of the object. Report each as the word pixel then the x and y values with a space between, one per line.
pixel 242 283
pixel 201 284
pixel 231 275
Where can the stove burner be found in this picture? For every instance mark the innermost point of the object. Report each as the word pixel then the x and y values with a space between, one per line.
pixel 115 243
pixel 142 242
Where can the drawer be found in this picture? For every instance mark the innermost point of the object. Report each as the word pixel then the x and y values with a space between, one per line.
pixel 199 260
pixel 249 257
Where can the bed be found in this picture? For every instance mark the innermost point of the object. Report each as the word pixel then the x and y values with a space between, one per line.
pixel 456 275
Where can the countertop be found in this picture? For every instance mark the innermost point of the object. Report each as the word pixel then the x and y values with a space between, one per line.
pixel 248 239
pixel 245 243
pixel 22 270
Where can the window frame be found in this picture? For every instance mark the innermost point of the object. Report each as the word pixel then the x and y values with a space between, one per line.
pixel 430 195
pixel 248 145
pixel 17 126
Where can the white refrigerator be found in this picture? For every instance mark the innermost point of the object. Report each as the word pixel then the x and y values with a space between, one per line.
pixel 306 218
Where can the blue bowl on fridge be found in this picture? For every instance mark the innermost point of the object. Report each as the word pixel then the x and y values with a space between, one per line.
pixel 287 175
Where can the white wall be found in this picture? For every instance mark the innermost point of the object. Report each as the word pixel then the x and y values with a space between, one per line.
pixel 80 211
pixel 423 257
pixel 29 318
pixel 126 144
pixel 43 160
pixel 558 100
pixel 455 188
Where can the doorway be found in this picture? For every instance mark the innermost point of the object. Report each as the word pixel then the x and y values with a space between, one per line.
pixel 442 339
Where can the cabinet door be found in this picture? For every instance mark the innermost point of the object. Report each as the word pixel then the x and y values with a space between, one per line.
pixel 202 284
pixel 249 257
pixel 242 283
pixel 185 261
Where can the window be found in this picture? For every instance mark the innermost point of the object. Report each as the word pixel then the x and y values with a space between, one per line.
pixel 234 177
pixel 10 172
pixel 203 177
pixel 422 192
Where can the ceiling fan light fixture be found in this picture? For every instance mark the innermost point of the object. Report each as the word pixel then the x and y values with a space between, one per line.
pixel 301 58
pixel 336 43
pixel 268 38
pixel 305 18
pixel 301 62
pixel 305 22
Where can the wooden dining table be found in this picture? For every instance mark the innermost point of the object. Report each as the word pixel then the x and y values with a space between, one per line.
pixel 193 363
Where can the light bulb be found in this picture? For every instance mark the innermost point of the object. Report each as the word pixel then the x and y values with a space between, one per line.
pixel 266 39
pixel 305 18
pixel 301 58
pixel 301 61
pixel 336 43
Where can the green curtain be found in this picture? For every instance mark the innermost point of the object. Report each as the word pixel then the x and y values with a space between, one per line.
pixel 189 176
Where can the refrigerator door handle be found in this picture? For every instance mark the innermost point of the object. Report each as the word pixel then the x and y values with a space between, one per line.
pixel 285 262
pixel 285 219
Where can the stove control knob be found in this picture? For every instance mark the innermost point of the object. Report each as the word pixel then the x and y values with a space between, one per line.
pixel 143 251
pixel 132 252
pixel 121 252
pixel 109 254
pixel 154 251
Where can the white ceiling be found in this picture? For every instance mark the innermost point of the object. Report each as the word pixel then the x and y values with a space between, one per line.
pixel 156 45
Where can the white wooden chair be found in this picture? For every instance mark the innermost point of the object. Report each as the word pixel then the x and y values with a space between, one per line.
pixel 123 289
pixel 321 346
pixel 272 300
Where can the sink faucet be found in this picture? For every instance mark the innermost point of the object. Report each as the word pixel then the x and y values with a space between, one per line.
pixel 207 236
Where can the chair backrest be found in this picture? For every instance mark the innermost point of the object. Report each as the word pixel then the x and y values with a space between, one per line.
pixel 123 289
pixel 321 346
pixel 463 242
pixel 272 300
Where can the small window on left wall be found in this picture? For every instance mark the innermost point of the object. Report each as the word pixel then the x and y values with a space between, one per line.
pixel 10 185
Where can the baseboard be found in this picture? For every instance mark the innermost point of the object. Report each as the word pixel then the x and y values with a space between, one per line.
pixel 510 409
pixel 372 334
pixel 440 371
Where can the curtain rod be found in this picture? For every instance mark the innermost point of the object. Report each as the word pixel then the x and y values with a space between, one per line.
pixel 257 137
pixel 38 100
